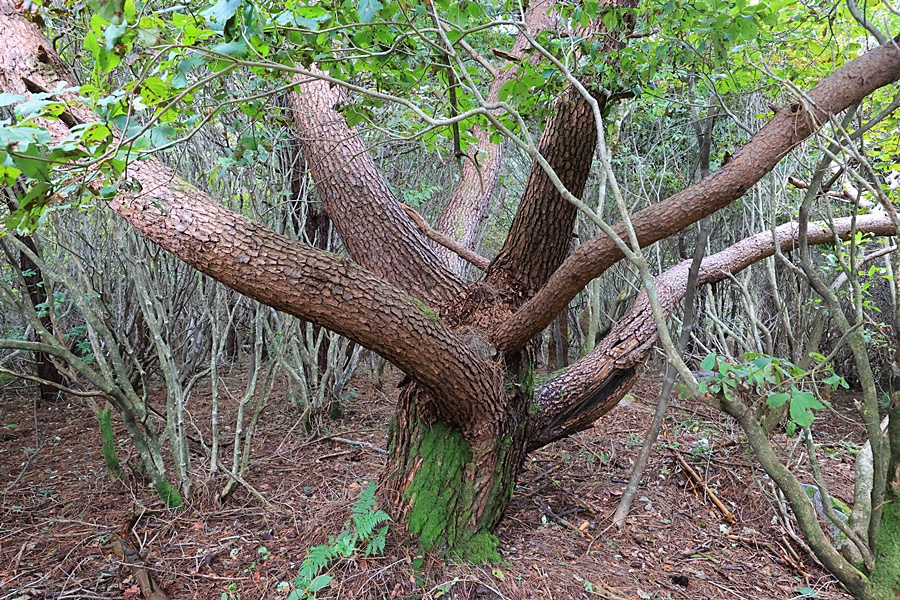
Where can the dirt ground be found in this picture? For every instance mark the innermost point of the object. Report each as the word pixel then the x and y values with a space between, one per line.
pixel 61 513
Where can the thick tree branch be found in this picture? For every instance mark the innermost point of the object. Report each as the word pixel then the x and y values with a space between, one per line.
pixel 369 219
pixel 260 263
pixel 790 126
pixel 467 207
pixel 462 218
pixel 541 233
pixel 590 388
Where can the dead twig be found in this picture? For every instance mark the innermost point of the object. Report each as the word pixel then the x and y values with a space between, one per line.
pixel 559 520
pixel 249 487
pixel 131 560
pixel 698 481
pixel 467 255
pixel 334 455
pixel 366 445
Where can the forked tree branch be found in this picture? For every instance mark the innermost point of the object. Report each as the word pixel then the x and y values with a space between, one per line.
pixel 256 261
pixel 369 218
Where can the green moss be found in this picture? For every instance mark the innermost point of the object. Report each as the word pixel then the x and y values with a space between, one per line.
pixel 108 444
pixel 886 575
pixel 523 379
pixel 168 494
pixel 480 548
pixel 429 314
pixel 442 495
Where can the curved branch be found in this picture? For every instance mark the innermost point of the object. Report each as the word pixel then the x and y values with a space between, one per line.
pixel 590 388
pixel 790 126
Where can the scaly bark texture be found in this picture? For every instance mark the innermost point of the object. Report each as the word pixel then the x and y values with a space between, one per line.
pixel 541 232
pixel 462 218
pixel 372 225
pixel 790 126
pixel 449 488
pixel 467 419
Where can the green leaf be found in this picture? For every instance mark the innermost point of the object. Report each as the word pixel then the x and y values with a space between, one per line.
pixel 32 163
pixel 367 10
pixel 10 99
pixel 709 362
pixel 236 47
pixel 113 33
pixel 776 400
pixel 319 583
pixel 802 405
pixel 834 381
pixel 219 13
pixel 111 10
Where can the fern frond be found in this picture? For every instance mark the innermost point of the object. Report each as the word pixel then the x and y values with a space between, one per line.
pixel 376 545
pixel 364 519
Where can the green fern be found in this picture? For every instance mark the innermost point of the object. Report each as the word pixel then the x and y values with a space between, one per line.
pixel 364 519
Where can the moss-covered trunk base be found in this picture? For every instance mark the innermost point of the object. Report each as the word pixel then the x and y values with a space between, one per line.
pixel 885 577
pixel 451 491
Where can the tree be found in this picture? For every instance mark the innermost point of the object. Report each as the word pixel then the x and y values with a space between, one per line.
pixel 470 409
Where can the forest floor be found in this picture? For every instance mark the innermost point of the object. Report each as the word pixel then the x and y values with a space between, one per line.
pixel 61 513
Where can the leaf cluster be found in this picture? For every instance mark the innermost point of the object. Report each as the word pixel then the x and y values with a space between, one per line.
pixel 781 381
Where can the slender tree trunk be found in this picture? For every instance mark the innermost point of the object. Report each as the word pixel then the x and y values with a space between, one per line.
pixel 37 294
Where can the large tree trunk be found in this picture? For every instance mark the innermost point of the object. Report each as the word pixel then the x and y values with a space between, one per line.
pixel 452 489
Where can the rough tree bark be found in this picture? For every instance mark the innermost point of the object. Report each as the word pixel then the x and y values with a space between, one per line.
pixel 468 418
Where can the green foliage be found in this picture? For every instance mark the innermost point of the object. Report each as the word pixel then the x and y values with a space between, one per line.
pixel 108 444
pixel 396 56
pixel 782 382
pixel 361 534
